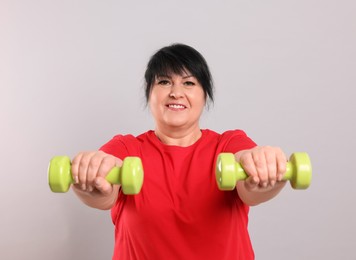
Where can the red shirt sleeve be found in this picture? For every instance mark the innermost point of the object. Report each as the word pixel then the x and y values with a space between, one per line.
pixel 236 140
pixel 117 147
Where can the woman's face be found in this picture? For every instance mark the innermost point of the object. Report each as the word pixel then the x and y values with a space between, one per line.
pixel 177 100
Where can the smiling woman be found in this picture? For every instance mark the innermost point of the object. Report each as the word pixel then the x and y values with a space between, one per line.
pixel 178 82
pixel 180 213
pixel 176 103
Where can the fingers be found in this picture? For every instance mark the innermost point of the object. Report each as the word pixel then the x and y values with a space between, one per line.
pixel 248 164
pixel 281 165
pixel 271 168
pixel 90 168
pixel 264 165
pixel 103 186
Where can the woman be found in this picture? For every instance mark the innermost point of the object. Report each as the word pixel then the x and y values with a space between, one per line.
pixel 180 213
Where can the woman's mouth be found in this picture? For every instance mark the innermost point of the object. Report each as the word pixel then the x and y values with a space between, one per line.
pixel 176 106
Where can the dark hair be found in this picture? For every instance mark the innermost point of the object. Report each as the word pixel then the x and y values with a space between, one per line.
pixel 177 59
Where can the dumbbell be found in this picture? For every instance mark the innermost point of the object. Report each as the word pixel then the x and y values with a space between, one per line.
pixel 229 172
pixel 129 175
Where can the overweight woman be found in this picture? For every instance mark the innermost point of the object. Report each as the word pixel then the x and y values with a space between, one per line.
pixel 180 213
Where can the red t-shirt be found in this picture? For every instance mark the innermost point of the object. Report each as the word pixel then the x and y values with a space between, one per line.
pixel 180 213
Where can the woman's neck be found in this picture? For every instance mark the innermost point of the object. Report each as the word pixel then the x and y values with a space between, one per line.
pixel 178 137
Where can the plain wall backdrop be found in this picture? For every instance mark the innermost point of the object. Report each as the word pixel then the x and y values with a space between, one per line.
pixel 71 77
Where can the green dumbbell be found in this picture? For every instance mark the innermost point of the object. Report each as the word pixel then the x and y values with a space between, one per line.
pixel 228 171
pixel 129 175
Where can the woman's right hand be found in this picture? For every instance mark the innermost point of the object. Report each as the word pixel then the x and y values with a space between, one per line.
pixel 89 170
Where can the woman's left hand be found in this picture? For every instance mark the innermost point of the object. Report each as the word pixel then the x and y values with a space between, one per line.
pixel 265 166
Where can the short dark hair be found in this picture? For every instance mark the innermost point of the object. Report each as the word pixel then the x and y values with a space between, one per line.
pixel 179 58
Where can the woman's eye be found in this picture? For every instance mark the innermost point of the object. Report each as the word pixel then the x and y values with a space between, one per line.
pixel 163 82
pixel 189 83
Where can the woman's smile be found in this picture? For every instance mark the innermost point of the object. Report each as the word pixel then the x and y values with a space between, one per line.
pixel 176 107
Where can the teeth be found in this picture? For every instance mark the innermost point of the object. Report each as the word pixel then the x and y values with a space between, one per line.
pixel 176 106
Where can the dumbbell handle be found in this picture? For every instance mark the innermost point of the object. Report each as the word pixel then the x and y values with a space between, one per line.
pixel 242 175
pixel 113 177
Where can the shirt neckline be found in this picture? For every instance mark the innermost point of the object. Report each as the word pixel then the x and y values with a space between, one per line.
pixel 158 142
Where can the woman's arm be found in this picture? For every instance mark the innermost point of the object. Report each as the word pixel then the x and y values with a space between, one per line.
pixel 89 170
pixel 265 167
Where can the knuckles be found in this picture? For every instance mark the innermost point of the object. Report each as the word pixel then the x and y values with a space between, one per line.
pixel 264 162
pixel 88 165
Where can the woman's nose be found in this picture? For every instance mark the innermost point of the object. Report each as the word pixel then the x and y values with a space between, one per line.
pixel 176 91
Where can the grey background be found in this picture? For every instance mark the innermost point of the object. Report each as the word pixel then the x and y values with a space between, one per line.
pixel 71 77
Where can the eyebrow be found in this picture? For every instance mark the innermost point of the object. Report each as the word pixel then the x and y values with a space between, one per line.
pixel 167 76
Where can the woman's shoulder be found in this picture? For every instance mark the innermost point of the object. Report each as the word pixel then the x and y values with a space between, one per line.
pixel 229 140
pixel 122 145
pixel 127 139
